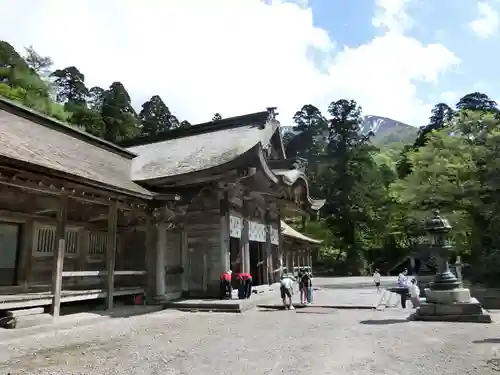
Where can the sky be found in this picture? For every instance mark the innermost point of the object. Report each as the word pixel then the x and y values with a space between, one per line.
pixel 396 58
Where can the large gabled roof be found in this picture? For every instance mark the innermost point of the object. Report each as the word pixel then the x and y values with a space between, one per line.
pixel 39 141
pixel 201 147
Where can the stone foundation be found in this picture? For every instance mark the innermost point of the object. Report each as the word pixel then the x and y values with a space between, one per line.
pixel 459 311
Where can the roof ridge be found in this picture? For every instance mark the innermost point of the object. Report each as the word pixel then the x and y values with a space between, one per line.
pixel 257 118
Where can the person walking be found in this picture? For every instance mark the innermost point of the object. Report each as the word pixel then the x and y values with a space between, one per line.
pixel 403 287
pixel 414 293
pixel 286 290
pixel 376 279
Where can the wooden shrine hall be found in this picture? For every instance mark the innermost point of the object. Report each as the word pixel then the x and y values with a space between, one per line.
pixel 82 219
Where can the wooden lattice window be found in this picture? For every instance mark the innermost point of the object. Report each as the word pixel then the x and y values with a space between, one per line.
pixel 45 240
pixel 97 244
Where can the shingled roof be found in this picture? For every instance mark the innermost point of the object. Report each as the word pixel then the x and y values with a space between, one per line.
pixel 32 138
pixel 200 147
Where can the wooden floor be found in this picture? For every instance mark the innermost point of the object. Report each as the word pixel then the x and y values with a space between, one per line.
pixel 36 299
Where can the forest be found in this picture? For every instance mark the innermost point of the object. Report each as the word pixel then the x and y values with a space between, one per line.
pixel 377 196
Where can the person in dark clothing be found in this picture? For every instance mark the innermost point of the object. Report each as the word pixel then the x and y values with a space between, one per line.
pixel 226 289
pixel 307 287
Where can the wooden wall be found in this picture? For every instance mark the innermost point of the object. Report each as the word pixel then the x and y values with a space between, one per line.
pixel 86 252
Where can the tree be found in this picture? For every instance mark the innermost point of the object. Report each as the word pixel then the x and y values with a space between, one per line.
pixel 96 98
pixel 287 138
pixel 351 182
pixel 217 117
pixel 39 64
pixel 477 101
pixel 119 117
pixel 311 140
pixel 70 83
pixel 440 116
pixel 184 124
pixel 155 117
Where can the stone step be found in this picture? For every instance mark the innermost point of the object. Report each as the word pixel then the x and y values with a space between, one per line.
pixel 26 312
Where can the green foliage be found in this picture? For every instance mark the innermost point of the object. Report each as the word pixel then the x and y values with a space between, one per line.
pixel 104 113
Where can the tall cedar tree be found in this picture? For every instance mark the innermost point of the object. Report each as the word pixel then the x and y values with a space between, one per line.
pixel 309 142
pixel 155 117
pixel 71 89
pixel 120 119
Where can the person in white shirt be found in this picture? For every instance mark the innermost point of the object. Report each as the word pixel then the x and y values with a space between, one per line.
pixel 286 290
pixel 414 293
pixel 376 279
pixel 403 287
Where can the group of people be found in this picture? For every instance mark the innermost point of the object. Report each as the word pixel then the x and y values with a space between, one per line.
pixel 245 282
pixel 287 281
pixel 405 288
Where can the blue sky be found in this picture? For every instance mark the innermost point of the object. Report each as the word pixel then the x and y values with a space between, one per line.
pixel 447 22
pixel 396 58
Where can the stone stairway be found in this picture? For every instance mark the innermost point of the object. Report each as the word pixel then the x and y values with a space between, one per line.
pixel 388 299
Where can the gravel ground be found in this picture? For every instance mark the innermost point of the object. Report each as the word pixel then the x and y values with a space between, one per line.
pixel 306 341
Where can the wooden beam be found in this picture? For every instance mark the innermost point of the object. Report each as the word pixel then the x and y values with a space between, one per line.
pixel 111 253
pixel 40 188
pixel 46 211
pixel 59 248
pixel 98 218
pixel 101 273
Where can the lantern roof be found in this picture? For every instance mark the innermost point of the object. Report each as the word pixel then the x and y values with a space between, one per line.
pixel 436 223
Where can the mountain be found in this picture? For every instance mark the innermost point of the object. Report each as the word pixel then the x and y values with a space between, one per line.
pixel 388 131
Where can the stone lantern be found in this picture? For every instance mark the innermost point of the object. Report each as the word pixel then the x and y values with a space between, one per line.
pixel 438 229
pixel 446 299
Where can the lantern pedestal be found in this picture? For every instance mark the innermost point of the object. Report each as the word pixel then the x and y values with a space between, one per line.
pixel 454 305
pixel 446 299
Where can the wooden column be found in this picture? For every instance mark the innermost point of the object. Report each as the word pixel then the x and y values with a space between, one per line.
pixel 224 233
pixel 151 238
pixel 111 253
pixel 310 259
pixel 59 249
pixel 184 261
pixel 244 240
pixel 268 251
pixel 161 245
pixel 26 253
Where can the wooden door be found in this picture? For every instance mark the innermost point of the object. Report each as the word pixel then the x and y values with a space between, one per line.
pixel 9 253
pixel 173 262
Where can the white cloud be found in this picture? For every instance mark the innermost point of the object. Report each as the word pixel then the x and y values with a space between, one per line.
pixel 228 56
pixel 392 15
pixel 487 22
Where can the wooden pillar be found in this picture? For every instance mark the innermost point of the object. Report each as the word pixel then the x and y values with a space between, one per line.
pixel 224 233
pixel 245 242
pixel 268 251
pixel 184 261
pixel 310 259
pixel 58 261
pixel 161 245
pixel 111 252
pixel 26 253
pixel 151 238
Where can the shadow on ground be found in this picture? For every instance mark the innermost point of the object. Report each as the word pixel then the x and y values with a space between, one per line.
pixel 492 340
pixel 383 321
